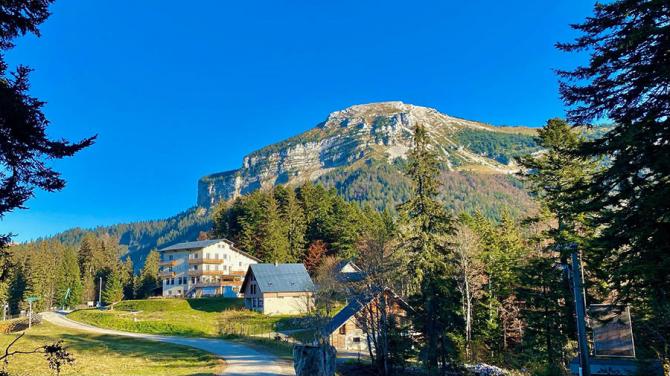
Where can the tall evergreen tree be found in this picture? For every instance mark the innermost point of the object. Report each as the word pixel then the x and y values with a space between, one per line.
pixel 274 246
pixel 626 80
pixel 425 231
pixel 112 293
pixel 294 218
pixel 557 177
pixel 69 286
pixel 128 278
pixel 546 326
pixel 148 282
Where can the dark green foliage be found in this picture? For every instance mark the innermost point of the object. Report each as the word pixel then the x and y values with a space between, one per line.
pixel 543 291
pixel 112 291
pixel 141 237
pixel 425 227
pixel 274 241
pixel 128 279
pixel 384 186
pixel 148 283
pixel 279 224
pixel 69 287
pixel 626 80
pixel 24 145
pixel 557 177
pixel 503 147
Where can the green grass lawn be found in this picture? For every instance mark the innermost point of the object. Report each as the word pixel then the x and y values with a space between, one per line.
pixel 206 317
pixel 108 355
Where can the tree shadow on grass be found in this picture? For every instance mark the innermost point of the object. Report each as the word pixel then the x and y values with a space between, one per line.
pixel 215 304
pixel 164 354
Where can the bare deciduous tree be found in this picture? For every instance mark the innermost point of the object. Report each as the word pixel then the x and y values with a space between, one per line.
pixel 471 277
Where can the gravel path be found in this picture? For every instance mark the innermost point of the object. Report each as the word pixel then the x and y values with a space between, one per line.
pixel 240 359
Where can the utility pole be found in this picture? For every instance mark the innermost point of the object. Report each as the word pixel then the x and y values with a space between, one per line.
pixel 5 307
pixel 580 309
pixel 30 314
pixel 100 294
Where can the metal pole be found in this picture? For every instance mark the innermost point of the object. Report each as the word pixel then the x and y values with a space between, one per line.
pixel 100 294
pixel 580 309
pixel 30 314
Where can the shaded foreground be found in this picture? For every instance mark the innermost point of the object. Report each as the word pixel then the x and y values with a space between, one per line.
pixel 104 354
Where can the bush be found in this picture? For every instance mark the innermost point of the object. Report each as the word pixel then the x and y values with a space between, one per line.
pixel 17 325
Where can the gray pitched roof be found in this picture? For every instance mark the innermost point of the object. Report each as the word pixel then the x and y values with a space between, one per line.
pixel 202 244
pixel 280 277
pixel 356 303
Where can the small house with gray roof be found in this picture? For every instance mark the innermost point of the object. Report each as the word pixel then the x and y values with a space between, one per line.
pixel 345 330
pixel 278 289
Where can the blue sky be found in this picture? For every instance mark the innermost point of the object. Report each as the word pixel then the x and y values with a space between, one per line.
pixel 176 90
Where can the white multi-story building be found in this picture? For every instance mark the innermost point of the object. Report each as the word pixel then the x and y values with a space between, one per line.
pixel 203 268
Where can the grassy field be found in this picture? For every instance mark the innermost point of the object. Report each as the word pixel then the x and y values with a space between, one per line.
pixel 210 317
pixel 108 355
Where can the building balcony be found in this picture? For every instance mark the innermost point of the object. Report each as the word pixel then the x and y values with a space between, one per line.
pixel 220 273
pixel 217 284
pixel 168 263
pixel 166 274
pixel 199 261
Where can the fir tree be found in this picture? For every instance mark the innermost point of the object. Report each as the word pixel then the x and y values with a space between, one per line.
pixel 626 80
pixel 69 287
pixel 148 281
pixel 128 279
pixel 425 228
pixel 542 290
pixel 112 293
pixel 294 218
pixel 274 246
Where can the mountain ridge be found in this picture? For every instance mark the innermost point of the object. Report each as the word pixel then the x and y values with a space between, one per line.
pixel 379 131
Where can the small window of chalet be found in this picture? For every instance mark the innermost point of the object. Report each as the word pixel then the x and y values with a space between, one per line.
pixel 357 339
pixel 343 329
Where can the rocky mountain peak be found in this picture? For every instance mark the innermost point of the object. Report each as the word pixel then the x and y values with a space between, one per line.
pixel 376 132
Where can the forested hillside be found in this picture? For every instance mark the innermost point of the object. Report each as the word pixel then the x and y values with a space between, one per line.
pixel 138 238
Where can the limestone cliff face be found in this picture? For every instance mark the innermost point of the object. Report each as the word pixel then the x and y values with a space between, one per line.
pixel 379 131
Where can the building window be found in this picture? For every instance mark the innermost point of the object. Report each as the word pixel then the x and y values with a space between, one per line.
pixel 343 329
pixel 357 339
pixel 260 302
pixel 170 257
pixel 207 255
